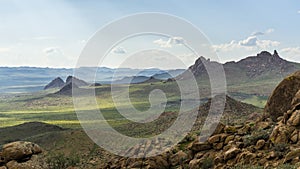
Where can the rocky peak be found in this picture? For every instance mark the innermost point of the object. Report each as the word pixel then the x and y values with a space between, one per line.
pixel 55 83
pixel 76 81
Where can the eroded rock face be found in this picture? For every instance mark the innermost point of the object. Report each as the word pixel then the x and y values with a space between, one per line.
pixel 282 97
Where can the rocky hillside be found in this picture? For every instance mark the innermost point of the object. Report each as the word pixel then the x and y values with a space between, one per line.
pixel 55 83
pixel 263 65
pixel 260 142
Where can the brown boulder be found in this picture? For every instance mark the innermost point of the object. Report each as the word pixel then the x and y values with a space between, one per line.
pixel 291 155
pixel 294 120
pixel 260 144
pixel 217 138
pixel 200 146
pixel 19 150
pixel 280 134
pixel 231 153
pixel 281 99
pixel 178 158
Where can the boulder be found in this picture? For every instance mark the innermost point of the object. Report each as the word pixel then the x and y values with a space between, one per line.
pixel 231 153
pixel 217 138
pixel 200 146
pixel 294 120
pixel 19 150
pixel 280 134
pixel 292 154
pixel 260 144
pixel 178 158
pixel 281 99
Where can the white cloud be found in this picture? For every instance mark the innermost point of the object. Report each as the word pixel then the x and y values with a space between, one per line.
pixel 291 53
pixel 170 42
pixel 299 11
pixel 44 38
pixel 250 41
pixel 4 50
pixel 268 31
pixel 257 33
pixel 271 30
pixel 119 50
pixel 52 50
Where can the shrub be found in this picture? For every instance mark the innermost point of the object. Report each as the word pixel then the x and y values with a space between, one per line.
pixel 60 161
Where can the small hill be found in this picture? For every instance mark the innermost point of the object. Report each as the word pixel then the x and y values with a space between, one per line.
pixel 152 80
pixel 26 130
pixel 67 89
pixel 95 84
pixel 55 83
pixel 76 81
pixel 131 80
pixel 232 107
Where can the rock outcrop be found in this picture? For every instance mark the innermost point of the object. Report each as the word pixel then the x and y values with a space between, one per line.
pixel 21 155
pixel 283 96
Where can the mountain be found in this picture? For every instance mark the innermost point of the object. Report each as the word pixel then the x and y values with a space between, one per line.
pixel 55 83
pixel 33 79
pixel 76 81
pixel 168 74
pixel 67 89
pixel 263 65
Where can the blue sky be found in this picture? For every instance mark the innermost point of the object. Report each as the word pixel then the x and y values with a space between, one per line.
pixel 51 33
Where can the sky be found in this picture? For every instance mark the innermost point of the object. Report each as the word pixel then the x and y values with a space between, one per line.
pixel 52 33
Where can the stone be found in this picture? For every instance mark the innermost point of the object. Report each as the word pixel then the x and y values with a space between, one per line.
pixel 200 146
pixel 280 134
pixel 245 130
pixel 229 138
pixel 294 136
pixel 229 129
pixel 294 120
pixel 217 138
pixel 218 146
pixel 19 150
pixel 292 154
pixel 260 144
pixel 178 158
pixel 231 153
pixel 195 164
pixel 246 157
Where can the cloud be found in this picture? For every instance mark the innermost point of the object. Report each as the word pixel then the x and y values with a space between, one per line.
pixel 170 42
pixel 50 50
pixel 250 41
pixel 119 50
pixel 4 50
pixel 291 53
pixel 271 30
pixel 44 38
pixel 268 31
pixel 298 12
pixel 257 33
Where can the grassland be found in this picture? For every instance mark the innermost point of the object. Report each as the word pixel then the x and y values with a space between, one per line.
pixel 59 110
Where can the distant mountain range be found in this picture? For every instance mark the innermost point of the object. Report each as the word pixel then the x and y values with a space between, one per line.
pixel 32 79
pixel 262 67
